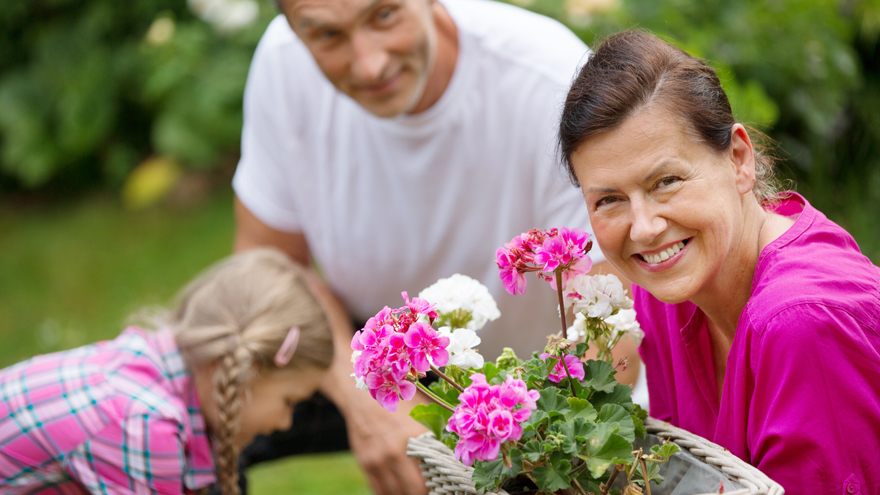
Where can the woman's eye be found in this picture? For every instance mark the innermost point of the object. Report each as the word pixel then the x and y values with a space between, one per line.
pixel 668 180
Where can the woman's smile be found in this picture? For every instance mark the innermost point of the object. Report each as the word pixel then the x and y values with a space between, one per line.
pixel 663 259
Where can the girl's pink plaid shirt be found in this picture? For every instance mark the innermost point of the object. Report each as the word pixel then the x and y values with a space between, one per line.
pixel 118 417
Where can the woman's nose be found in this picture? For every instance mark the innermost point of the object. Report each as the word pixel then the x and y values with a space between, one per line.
pixel 647 223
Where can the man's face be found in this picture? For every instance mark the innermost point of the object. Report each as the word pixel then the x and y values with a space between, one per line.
pixel 378 52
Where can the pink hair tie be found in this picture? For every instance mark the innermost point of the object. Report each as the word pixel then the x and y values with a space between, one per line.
pixel 288 347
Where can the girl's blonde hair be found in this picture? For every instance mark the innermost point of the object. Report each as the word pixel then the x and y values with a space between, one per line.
pixel 237 314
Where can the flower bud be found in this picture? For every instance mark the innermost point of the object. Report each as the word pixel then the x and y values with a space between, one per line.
pixel 507 359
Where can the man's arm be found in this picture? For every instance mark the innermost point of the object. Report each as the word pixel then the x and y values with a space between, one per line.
pixel 377 437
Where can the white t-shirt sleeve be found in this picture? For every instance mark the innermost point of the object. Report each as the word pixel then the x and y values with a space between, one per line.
pixel 271 134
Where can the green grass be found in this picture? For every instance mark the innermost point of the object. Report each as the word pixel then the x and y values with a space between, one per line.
pixel 309 475
pixel 70 274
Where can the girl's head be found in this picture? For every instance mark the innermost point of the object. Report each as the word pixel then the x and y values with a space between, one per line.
pixel 231 325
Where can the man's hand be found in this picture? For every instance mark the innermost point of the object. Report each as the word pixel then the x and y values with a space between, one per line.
pixel 378 439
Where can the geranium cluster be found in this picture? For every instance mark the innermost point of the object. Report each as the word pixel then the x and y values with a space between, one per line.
pixel 488 416
pixel 597 296
pixel 603 312
pixel 395 348
pixel 546 252
pixel 464 306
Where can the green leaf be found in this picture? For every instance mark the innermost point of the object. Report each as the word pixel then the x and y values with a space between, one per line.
pixel 552 400
pixel 533 450
pixel 516 463
pixel 445 392
pixel 580 408
pixel 488 474
pixel 621 395
pixel 433 416
pixel 614 414
pixel 653 474
pixel 599 376
pixel 639 426
pixel 491 370
pixel 574 433
pixel 639 412
pixel 554 476
pixel 604 448
pixel 665 450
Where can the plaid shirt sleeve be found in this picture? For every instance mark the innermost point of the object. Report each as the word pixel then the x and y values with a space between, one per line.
pixel 143 454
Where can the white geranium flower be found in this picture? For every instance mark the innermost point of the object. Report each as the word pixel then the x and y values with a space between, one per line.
pixel 460 292
pixel 462 343
pixel 597 295
pixel 578 328
pixel 361 383
pixel 625 322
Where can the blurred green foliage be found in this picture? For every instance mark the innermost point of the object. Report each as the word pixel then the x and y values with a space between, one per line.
pixel 90 89
pixel 84 89
pixel 806 72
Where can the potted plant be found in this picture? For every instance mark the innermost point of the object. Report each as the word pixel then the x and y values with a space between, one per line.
pixel 554 423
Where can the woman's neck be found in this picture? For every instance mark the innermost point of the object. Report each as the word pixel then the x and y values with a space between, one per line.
pixel 725 298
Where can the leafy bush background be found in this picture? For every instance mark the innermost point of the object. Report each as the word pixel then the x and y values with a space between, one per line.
pixel 85 97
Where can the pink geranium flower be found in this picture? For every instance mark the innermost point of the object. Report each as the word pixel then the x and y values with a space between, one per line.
pixel 489 415
pixel 514 281
pixel 389 386
pixel 575 367
pixel 423 342
pixel 544 252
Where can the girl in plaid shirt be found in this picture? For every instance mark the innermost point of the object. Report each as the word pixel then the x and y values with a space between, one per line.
pixel 168 411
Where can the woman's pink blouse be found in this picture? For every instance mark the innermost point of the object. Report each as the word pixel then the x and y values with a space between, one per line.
pixel 801 396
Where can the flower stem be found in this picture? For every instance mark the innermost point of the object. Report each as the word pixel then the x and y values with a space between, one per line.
pixel 449 380
pixel 424 390
pixel 561 301
pixel 607 486
pixel 645 474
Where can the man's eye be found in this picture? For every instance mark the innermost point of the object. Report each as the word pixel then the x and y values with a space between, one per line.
pixel 606 201
pixel 385 14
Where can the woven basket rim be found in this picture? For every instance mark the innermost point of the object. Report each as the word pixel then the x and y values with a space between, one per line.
pixel 444 475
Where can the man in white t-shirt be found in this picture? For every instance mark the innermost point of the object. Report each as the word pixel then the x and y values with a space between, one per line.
pixel 397 142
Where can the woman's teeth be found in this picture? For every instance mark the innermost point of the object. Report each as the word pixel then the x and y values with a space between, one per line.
pixel 664 255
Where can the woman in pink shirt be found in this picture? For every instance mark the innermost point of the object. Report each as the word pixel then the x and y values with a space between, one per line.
pixel 168 411
pixel 761 316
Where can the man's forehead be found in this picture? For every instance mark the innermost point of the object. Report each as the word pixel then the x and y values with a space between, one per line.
pixel 305 13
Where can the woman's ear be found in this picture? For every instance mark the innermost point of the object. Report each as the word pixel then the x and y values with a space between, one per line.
pixel 742 156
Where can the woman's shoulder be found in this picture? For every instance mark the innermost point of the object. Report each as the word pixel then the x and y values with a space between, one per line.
pixel 815 267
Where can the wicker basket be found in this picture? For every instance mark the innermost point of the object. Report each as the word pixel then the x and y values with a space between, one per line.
pixel 444 475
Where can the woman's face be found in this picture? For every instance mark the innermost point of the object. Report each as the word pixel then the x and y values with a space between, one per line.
pixel 666 210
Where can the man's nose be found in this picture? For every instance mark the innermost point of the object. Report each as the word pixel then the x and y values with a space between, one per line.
pixel 370 58
pixel 647 222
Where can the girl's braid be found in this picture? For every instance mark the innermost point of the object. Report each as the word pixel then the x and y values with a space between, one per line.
pixel 229 377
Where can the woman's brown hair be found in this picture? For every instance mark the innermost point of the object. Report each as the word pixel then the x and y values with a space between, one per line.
pixel 634 70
